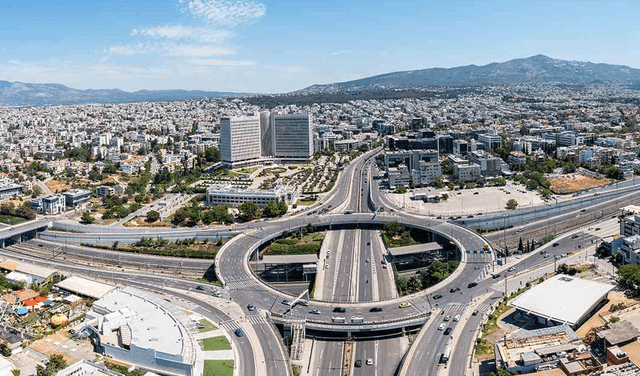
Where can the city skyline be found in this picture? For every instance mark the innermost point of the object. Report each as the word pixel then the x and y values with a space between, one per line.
pixel 272 47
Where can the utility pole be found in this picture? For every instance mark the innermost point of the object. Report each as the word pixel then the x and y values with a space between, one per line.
pixel 506 275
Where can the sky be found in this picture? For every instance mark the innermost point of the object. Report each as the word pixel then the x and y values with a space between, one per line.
pixel 276 46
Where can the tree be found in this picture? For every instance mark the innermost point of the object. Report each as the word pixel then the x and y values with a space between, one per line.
pixel 512 204
pixel 403 284
pixel 249 210
pixel 401 189
pixel 520 245
pixel 87 218
pixel 153 216
pixel 15 372
pixel 115 245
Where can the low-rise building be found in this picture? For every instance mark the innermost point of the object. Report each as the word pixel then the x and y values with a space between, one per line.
pixel 76 197
pixel 225 195
pixel 467 172
pixel 145 331
pixel 50 205
pixel 9 189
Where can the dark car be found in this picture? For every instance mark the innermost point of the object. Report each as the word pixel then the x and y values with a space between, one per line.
pixel 199 287
pixel 340 309
pixel 555 244
pixel 239 332
pixel 437 296
pixel 472 284
pixel 454 289
pixel 358 363
pixel 495 276
pixel 447 331
pixel 251 307
pixel 368 243
pixel 375 309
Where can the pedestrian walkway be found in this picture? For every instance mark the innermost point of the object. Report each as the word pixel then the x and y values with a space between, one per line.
pixel 453 308
pixel 242 284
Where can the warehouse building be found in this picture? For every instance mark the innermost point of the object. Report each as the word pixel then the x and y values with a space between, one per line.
pixel 562 300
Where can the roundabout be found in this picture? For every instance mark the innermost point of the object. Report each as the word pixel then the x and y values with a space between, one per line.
pixel 233 270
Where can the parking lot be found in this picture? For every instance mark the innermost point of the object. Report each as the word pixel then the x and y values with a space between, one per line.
pixel 466 201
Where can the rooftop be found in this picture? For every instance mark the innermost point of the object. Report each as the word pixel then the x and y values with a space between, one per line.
pixel 562 298
pixel 619 332
pixel 85 287
pixel 290 259
pixel 149 323
pixel 417 248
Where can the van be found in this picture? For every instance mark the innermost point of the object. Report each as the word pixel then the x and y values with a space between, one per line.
pixel 357 320
pixel 340 320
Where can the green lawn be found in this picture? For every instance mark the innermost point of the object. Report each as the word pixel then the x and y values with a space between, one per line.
pixel 216 343
pixel 218 368
pixel 11 219
pixel 275 170
pixel 208 326
pixel 309 245
pixel 306 201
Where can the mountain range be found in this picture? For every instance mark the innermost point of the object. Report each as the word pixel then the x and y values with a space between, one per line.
pixel 539 69
pixel 16 94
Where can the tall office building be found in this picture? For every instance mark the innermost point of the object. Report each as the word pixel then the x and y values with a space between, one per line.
pixel 240 141
pixel 292 137
pixel 266 133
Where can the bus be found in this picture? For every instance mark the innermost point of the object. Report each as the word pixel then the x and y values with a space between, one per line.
pixel 444 357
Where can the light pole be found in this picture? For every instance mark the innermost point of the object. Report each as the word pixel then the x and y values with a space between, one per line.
pixel 504 235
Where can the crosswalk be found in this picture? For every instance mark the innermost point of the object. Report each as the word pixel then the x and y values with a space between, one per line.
pixel 232 325
pixel 483 273
pixel 229 325
pixel 453 308
pixel 242 284
pixel 256 319
pixel 483 307
pixel 458 308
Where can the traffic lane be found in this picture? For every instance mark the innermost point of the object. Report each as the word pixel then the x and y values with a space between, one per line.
pixel 341 290
pixel 461 352
pixel 385 355
pixel 329 358
pixel 365 293
pixel 332 261
pixel 275 361
pixel 426 355
pixel 386 282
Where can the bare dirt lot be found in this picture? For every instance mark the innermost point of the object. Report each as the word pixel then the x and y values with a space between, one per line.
pixel 575 183
pixel 57 186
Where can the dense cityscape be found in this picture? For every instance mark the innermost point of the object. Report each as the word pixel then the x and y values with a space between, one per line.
pixel 387 236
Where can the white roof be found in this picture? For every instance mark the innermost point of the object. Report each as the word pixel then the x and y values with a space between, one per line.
pixel 85 287
pixel 152 327
pixel 562 298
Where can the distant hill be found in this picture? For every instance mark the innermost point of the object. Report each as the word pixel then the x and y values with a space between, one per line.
pixel 534 70
pixel 25 94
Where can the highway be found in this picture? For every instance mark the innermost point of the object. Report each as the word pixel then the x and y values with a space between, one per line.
pixel 350 268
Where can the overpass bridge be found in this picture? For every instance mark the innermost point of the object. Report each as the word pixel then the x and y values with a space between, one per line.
pixel 24 231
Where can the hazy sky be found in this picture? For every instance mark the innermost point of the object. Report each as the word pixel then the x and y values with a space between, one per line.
pixel 284 45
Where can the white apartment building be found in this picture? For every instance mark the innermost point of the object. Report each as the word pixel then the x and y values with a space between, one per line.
pixel 292 137
pixel 490 140
pixel 240 142
pixel 470 172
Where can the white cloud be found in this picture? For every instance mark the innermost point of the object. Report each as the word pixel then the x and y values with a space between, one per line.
pixel 227 12
pixel 170 49
pixel 222 63
pixel 179 32
pixel 336 53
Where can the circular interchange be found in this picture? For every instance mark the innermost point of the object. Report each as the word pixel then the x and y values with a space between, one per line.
pixel 232 268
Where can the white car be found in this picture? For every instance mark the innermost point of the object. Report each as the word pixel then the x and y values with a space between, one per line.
pixel 442 326
pixel 456 318
pixel 511 269
pixel 369 361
